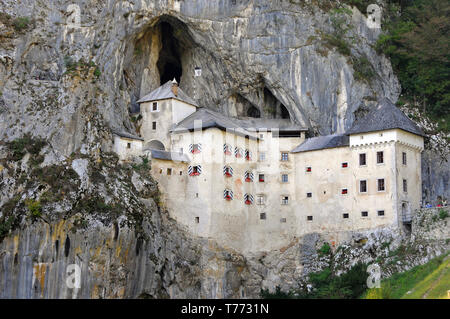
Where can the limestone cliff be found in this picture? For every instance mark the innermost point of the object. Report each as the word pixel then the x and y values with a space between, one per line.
pixel 70 71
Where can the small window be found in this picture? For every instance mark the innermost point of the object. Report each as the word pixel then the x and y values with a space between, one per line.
pixel 169 171
pixel 405 185
pixel 160 170
pixel 153 125
pixel 181 173
pixel 380 158
pixel 345 215
pixel 227 171
pixel 260 199
pixel 155 106
pixel 362 159
pixel 284 156
pixel 261 178
pixel 197 220
pixel 262 216
pixel 195 148
pixel 194 170
pixel 284 200
pixel 228 194
pixel 261 136
pixel 363 186
pixel 309 218
pixel 364 214
pixel 381 213
pixel 248 199
pixel 284 178
pixel 196 195
pixel 262 156
pixel 282 220
pixel 344 165
pixel 344 191
pixel 308 194
pixel 308 169
pixel 381 187
pixel 128 145
pixel 227 149
pixel 248 176
pixel 404 158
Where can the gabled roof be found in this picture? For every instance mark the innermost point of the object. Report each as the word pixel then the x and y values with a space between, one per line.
pixel 322 142
pixel 165 92
pixel 127 135
pixel 385 116
pixel 210 119
pixel 170 156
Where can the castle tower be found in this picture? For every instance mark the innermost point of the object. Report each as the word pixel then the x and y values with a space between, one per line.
pixel 161 109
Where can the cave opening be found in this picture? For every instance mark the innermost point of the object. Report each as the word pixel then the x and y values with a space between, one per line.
pixel 284 112
pixel 169 61
pixel 253 112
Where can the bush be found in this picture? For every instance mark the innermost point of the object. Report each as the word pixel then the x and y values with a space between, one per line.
pixel 325 249
pixel 21 23
pixel 443 214
pixel 363 69
pixel 34 207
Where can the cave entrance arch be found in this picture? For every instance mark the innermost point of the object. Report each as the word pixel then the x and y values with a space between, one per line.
pixel 155 145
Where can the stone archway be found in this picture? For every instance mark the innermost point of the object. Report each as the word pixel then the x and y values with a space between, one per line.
pixel 155 145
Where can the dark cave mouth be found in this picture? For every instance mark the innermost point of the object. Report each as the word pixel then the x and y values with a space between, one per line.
pixel 169 61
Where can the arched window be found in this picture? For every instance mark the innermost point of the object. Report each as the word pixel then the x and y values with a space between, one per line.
pixel 248 176
pixel 228 171
pixel 228 194
pixel 195 148
pixel 238 152
pixel 194 170
pixel 248 155
pixel 227 149
pixel 248 199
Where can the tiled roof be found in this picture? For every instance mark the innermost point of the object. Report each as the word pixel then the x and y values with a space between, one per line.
pixel 385 116
pixel 165 92
pixel 127 135
pixel 170 156
pixel 322 142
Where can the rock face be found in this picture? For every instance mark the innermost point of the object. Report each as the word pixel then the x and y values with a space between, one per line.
pixel 70 71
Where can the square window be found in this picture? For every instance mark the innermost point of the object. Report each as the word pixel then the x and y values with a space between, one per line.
pixel 261 178
pixel 284 178
pixel 284 200
pixel 260 199
pixel 362 159
pixel 364 214
pixel 308 194
pixel 404 158
pixel 380 158
pixel 262 157
pixel 381 213
pixel 262 216
pixel 363 186
pixel 283 220
pixel 309 218
pixel 153 125
pixel 381 187
pixel 345 215
pixel 344 191
pixel 284 156
pixel 308 169
pixel 344 165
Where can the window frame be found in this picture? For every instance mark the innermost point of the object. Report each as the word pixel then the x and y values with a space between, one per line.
pixel 378 157
pixel 284 200
pixel 364 211
pixel 381 210
pixel 378 185
pixel 287 156
pixel 367 186
pixel 405 185
pixel 404 159
pixel 157 107
pixel 282 178
pixel 365 159
pixel 154 125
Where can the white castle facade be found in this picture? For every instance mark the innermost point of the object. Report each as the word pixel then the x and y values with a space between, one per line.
pixel 259 184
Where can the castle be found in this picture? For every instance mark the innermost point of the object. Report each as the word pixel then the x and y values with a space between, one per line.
pixel 259 184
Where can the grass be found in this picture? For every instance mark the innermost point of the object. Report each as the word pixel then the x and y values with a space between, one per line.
pixel 418 280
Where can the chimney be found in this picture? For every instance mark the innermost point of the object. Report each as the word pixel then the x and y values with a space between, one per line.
pixel 175 87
